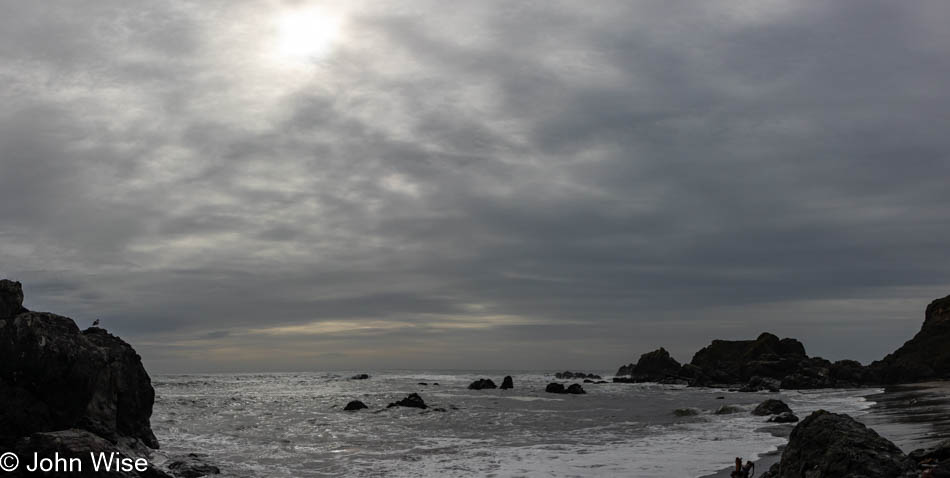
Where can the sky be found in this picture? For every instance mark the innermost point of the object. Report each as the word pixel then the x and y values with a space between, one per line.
pixel 291 186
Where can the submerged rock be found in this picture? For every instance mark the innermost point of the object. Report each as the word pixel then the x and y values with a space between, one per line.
pixel 727 409
pixel 784 417
pixel 507 383
pixel 831 445
pixel 412 401
pixel 771 407
pixel 685 412
pixel 568 375
pixel 354 405
pixel 482 383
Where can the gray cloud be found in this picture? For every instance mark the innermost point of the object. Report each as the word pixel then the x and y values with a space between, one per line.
pixel 477 185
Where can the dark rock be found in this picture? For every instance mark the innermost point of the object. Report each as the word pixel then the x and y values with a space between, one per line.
pixel 11 299
pixel 759 384
pixel 784 417
pixel 939 452
pixel 76 443
pixel 555 388
pixel 727 409
pixel 192 466
pixel 652 367
pixel 925 356
pixel 737 361
pixel 412 401
pixel 354 405
pixel 771 407
pixel 507 383
pixel 360 376
pixel 424 384
pixel 88 380
pixel 482 383
pixel 831 445
pixel 575 389
pixel 685 412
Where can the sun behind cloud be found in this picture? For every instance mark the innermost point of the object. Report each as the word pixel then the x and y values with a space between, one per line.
pixel 308 34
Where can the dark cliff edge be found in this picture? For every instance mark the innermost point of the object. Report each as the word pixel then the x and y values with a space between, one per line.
pixel 67 391
pixel 771 363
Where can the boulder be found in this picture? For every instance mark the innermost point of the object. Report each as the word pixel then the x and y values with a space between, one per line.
pixel 412 401
pixel 483 383
pixel 555 388
pixel 925 356
pixel 575 389
pixel 507 383
pixel 784 417
pixel 771 407
pixel 360 376
pixel 354 406
pixel 55 377
pixel 192 465
pixel 826 445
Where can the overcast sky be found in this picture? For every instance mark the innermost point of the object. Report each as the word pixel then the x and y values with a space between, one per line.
pixel 252 186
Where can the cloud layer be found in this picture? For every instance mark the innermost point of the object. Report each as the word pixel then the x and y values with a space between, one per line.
pixel 544 184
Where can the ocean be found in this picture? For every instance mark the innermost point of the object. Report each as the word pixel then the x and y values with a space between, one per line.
pixel 293 425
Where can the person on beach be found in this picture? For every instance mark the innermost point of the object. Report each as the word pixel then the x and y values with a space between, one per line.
pixel 743 471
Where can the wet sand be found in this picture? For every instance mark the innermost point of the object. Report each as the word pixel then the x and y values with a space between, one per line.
pixel 912 416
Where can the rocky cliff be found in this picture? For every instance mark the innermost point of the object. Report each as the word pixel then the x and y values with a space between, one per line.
pixel 55 378
pixel 924 357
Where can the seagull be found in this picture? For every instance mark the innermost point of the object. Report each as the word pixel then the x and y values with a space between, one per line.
pixel 95 323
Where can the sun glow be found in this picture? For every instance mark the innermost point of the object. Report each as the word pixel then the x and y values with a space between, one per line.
pixel 307 35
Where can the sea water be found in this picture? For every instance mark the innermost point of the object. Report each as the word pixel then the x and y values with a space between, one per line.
pixel 293 425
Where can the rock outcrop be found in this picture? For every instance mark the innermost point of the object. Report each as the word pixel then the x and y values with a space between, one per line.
pixel 507 383
pixel 55 377
pixel 411 401
pixel 71 392
pixel 925 356
pixel 831 445
pixel 354 406
pixel 655 366
pixel 771 407
pixel 481 384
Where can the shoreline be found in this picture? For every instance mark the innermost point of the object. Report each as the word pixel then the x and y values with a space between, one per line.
pixel 911 415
